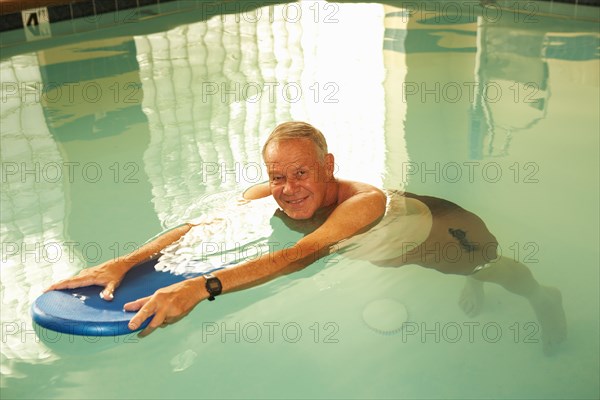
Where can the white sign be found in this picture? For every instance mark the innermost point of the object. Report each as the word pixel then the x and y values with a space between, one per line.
pixel 36 23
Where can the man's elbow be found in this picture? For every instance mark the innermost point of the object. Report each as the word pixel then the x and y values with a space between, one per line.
pixel 377 204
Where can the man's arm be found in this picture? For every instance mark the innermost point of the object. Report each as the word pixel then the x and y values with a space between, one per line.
pixel 110 273
pixel 350 217
pixel 257 191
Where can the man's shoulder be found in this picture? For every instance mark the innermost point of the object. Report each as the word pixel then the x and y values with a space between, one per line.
pixel 348 189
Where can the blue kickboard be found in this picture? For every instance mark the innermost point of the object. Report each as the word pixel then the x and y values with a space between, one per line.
pixel 82 311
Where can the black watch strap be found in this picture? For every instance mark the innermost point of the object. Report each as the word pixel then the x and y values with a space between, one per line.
pixel 213 286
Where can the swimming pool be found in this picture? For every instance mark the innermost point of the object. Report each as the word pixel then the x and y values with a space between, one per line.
pixel 109 137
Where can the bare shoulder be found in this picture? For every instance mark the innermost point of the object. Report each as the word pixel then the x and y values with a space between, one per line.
pixel 348 189
pixel 359 207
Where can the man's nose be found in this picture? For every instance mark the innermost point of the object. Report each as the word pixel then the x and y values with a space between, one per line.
pixel 290 187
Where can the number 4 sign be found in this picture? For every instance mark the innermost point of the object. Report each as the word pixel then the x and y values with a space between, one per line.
pixel 36 23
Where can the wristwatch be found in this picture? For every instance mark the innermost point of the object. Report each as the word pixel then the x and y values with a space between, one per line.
pixel 213 286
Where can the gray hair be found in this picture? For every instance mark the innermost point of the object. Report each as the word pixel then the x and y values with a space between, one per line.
pixel 298 130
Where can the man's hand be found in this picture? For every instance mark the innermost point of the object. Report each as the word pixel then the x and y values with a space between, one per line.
pixel 111 273
pixel 167 305
pixel 108 274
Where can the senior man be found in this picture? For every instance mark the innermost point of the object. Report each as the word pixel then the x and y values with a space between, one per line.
pixel 343 215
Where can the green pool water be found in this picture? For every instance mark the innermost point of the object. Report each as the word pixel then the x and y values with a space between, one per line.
pixel 115 133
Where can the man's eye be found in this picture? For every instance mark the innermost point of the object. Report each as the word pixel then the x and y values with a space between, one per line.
pixel 302 173
pixel 276 178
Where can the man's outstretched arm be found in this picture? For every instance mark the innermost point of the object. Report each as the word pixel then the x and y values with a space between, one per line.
pixel 110 273
pixel 174 302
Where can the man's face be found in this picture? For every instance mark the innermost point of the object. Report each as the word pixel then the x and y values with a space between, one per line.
pixel 298 180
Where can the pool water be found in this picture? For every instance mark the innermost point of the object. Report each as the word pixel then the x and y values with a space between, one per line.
pixel 109 137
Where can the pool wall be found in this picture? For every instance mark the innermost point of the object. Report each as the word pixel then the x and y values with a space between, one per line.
pixel 33 20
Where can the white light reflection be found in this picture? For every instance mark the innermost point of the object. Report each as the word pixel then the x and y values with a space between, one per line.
pixel 32 214
pixel 214 89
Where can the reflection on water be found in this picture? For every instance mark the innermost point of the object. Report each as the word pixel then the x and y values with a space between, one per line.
pixel 106 142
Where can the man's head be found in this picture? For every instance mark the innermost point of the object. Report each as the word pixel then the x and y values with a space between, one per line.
pixel 300 169
pixel 298 130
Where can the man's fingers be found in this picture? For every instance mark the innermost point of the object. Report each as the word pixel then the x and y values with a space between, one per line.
pixel 138 319
pixel 81 281
pixel 156 322
pixel 142 315
pixel 71 283
pixel 108 292
pixel 137 304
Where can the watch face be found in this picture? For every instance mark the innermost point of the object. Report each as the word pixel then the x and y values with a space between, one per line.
pixel 213 285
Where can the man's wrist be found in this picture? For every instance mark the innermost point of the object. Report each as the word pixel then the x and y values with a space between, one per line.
pixel 199 288
pixel 212 286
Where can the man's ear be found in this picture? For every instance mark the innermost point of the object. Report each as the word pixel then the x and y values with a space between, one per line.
pixel 329 166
